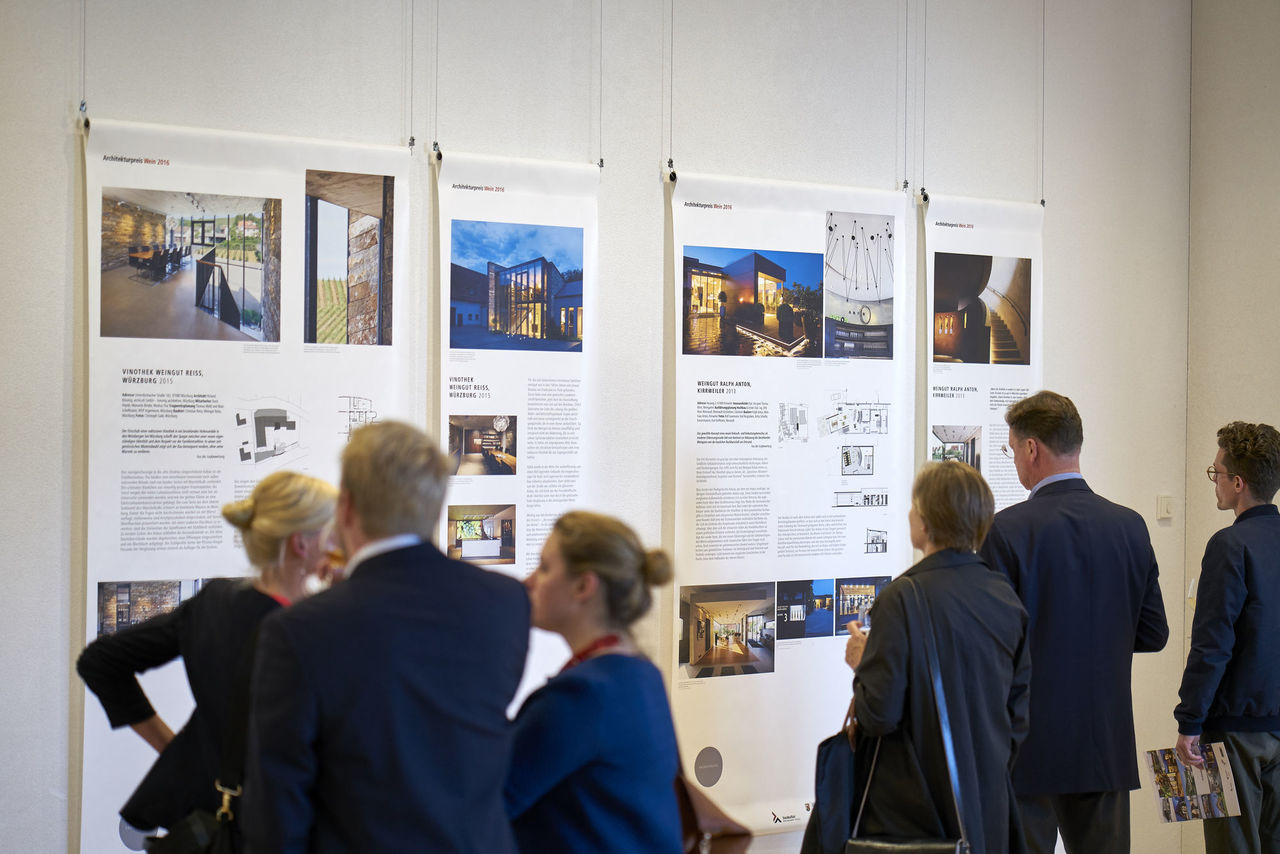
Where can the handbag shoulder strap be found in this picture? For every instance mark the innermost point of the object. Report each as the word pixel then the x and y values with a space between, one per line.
pixel 236 731
pixel 939 699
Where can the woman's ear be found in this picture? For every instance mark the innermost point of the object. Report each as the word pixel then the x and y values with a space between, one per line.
pixel 298 544
pixel 586 585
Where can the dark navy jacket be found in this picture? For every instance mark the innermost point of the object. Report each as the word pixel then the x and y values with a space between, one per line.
pixel 980 629
pixel 1086 572
pixel 594 763
pixel 379 711
pixel 1232 679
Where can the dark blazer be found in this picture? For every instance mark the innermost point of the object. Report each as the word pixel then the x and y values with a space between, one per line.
pixel 593 761
pixel 1087 574
pixel 379 711
pixel 209 631
pixel 980 628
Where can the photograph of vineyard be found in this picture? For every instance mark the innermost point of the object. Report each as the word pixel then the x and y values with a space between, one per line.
pixel 348 259
pixel 331 313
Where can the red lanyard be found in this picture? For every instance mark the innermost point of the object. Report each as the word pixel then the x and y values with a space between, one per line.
pixel 587 651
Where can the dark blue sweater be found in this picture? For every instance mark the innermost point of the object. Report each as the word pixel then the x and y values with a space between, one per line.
pixel 594 762
pixel 1232 679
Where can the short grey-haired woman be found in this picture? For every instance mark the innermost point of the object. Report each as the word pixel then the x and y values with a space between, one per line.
pixel 980 628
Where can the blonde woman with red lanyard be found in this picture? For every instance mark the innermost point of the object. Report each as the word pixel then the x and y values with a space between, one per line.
pixel 594 754
pixel 282 524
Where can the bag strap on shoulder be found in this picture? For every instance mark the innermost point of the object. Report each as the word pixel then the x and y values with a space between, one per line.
pixel 925 621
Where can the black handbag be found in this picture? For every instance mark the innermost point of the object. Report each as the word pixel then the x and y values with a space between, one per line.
pixel 872 845
pixel 203 832
pixel 831 820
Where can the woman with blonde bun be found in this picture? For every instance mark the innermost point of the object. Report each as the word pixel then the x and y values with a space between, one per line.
pixel 594 759
pixel 282 525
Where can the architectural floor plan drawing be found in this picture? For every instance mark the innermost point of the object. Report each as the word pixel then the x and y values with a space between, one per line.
pixel 265 432
pixel 857 460
pixel 355 411
pixel 793 422
pixel 849 417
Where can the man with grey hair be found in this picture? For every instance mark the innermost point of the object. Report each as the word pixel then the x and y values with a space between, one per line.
pixel 1085 570
pixel 379 706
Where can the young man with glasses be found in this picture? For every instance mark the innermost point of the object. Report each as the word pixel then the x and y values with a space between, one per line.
pixel 1085 570
pixel 1231 686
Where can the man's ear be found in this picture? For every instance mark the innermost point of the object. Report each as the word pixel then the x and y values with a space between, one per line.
pixel 345 509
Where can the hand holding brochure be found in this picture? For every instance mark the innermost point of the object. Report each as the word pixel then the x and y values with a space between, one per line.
pixel 1186 793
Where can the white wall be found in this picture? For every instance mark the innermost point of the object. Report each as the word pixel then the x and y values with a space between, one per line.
pixel 862 92
pixel 1235 205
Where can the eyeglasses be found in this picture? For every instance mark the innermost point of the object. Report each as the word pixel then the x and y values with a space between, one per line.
pixel 1007 451
pixel 1214 474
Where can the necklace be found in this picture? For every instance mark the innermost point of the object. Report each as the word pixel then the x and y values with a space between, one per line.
pixel 603 642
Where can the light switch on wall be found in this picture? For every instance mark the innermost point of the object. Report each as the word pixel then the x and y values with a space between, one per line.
pixel 1164 506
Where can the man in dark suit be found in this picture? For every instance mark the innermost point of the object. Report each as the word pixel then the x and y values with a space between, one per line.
pixel 1087 574
pixel 379 706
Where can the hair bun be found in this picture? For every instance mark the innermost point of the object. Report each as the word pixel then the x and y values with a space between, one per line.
pixel 657 569
pixel 239 513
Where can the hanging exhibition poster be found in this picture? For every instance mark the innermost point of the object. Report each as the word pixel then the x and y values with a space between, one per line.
pixel 984 275
pixel 517 294
pixel 250 303
pixel 793 430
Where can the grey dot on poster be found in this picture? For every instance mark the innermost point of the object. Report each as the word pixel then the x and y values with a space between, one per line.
pixel 708 767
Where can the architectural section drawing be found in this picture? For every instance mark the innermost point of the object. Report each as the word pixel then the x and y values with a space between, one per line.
pixel 877 542
pixel 862 498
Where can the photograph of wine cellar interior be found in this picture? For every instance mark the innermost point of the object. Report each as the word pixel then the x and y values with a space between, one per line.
pixel 190 265
pixel 726 630
pixel 483 534
pixel 483 444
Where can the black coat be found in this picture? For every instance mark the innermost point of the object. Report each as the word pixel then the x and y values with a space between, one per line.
pixel 1085 570
pixel 209 631
pixel 980 628
pixel 379 711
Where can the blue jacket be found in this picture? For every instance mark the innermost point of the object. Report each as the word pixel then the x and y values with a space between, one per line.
pixel 1085 570
pixel 1232 679
pixel 593 767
